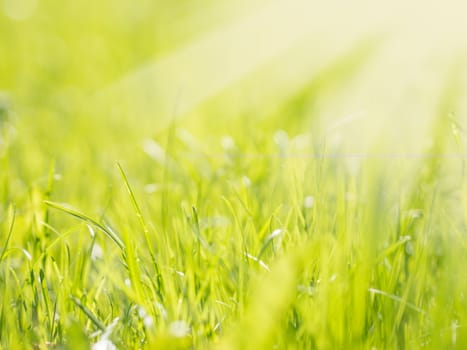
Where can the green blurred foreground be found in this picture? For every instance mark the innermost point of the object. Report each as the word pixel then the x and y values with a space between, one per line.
pixel 237 175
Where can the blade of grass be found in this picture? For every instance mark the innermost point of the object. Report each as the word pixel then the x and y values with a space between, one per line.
pixel 142 222
pixel 396 298
pixel 73 212
pixel 138 213
pixel 10 232
pixel 88 313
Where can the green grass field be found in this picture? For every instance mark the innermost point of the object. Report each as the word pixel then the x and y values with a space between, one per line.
pixel 232 175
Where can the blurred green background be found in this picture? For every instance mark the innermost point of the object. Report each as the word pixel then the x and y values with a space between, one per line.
pixel 129 67
pixel 241 109
pixel 85 84
pixel 120 70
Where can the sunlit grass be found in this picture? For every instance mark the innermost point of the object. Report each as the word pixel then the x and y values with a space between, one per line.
pixel 232 175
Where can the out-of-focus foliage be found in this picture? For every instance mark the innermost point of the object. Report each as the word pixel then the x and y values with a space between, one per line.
pixel 232 174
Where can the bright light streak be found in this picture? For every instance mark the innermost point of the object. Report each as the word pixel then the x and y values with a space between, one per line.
pixel 295 40
pixel 190 75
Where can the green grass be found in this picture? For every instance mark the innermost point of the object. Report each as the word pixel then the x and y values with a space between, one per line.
pixel 270 214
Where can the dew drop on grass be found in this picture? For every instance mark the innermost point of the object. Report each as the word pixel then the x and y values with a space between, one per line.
pixel 148 321
pixel 275 233
pixel 27 254
pixel 97 252
pixel 104 344
pixel 415 213
pixel 179 329
pixel 227 143
pixel 154 150
pixel 281 138
pixel 91 231
pixel 151 188
pixel 246 181
pixel 162 310
pixel 454 326
pixel 309 202
pixel 142 312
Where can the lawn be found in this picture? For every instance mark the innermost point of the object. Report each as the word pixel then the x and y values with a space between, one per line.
pixel 232 175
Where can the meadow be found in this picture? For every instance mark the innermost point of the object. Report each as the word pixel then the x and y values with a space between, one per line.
pixel 232 175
